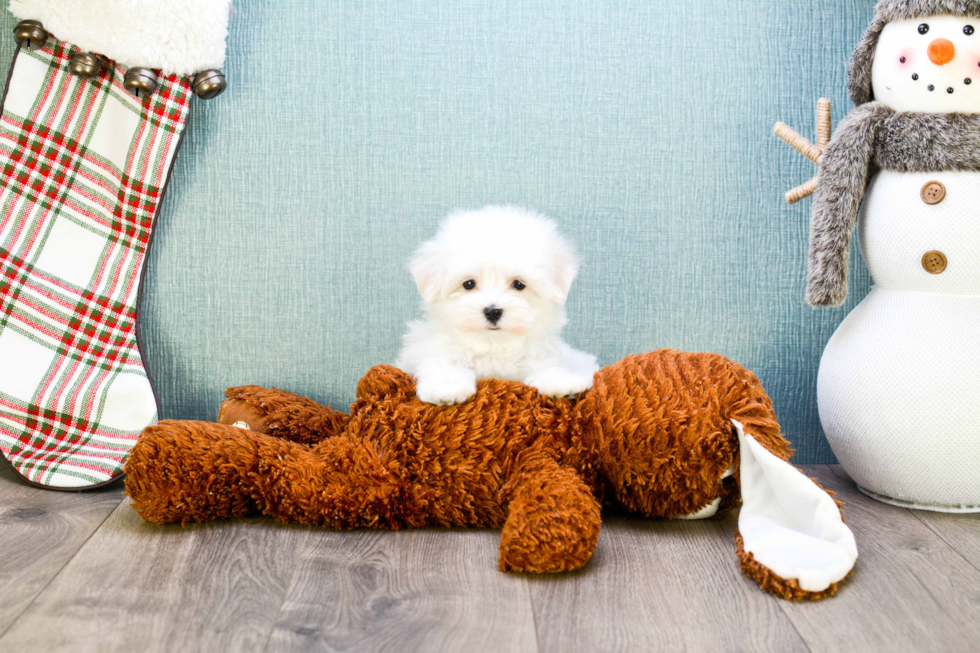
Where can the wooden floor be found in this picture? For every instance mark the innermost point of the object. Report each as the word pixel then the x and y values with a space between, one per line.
pixel 82 572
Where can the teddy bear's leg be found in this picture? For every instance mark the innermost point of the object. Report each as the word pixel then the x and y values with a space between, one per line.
pixel 280 414
pixel 792 539
pixel 183 471
pixel 553 520
pixel 341 482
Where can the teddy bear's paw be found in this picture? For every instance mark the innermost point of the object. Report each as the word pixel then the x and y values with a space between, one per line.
pixel 446 389
pixel 557 382
pixel 555 543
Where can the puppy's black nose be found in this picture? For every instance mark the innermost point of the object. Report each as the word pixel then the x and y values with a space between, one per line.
pixel 493 314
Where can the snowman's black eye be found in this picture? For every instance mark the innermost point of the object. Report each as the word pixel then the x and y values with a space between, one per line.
pixel 968 30
pixel 923 28
pixel 902 59
pixel 469 284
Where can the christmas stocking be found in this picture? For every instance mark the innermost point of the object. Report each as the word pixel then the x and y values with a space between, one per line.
pixel 95 107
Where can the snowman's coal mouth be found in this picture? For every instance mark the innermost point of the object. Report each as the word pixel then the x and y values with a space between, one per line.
pixel 932 87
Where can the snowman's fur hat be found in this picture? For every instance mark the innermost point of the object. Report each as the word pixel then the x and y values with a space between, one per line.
pixel 889 11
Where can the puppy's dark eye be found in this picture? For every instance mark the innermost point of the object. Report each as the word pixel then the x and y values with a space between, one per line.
pixel 968 30
pixel 469 284
pixel 923 28
pixel 518 284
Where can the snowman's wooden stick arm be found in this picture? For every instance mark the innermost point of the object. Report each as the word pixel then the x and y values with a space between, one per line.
pixel 802 191
pixel 806 148
pixel 797 142
pixel 824 123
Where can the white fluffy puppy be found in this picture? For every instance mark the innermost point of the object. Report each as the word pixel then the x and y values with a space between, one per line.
pixel 494 284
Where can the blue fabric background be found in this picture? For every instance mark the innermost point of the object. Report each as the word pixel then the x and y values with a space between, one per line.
pixel 643 128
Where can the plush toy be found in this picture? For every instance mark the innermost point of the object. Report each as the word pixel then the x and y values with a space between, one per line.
pixel 899 380
pixel 665 434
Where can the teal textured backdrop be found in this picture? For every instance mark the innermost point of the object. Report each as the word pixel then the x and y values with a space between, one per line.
pixel 644 128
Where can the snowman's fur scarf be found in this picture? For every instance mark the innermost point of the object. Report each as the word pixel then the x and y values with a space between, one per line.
pixel 889 11
pixel 179 37
pixel 874 137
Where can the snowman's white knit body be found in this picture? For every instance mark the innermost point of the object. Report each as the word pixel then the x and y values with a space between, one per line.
pixel 899 382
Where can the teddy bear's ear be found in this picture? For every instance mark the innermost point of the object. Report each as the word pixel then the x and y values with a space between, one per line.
pixel 791 528
pixel 428 270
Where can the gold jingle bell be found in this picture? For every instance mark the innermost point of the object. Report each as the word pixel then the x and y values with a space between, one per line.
pixel 30 34
pixel 140 82
pixel 209 84
pixel 84 64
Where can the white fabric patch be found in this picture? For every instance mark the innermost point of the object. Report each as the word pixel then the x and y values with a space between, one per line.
pixel 24 365
pixel 114 133
pixel 788 523
pixel 129 404
pixel 709 510
pixel 176 36
pixel 25 85
pixel 71 253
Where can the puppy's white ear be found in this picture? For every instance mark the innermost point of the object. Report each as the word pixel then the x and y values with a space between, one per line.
pixel 564 269
pixel 428 271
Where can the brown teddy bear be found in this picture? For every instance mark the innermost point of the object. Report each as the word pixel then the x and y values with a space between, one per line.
pixel 664 434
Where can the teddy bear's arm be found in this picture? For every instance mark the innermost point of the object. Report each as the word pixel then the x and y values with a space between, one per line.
pixel 553 519
pixel 280 414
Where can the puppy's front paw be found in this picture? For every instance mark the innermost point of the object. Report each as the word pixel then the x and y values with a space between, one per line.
pixel 558 382
pixel 446 389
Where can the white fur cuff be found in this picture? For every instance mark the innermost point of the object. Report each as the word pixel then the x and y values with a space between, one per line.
pixel 174 36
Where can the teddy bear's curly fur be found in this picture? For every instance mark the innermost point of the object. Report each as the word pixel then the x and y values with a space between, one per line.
pixel 653 435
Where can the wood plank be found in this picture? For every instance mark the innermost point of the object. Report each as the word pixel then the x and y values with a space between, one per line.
pixel 436 590
pixel 960 532
pixel 135 586
pixel 660 585
pixel 40 531
pixel 909 592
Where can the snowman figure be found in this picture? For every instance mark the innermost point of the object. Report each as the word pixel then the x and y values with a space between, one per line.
pixel 899 382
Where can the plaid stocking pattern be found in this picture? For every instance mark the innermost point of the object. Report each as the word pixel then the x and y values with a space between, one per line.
pixel 83 167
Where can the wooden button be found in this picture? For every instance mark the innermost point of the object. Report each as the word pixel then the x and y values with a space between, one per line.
pixel 933 192
pixel 934 262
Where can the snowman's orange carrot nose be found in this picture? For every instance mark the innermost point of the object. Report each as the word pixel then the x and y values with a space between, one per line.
pixel 941 51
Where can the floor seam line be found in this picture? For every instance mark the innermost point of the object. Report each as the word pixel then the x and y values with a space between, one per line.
pixel 285 594
pixel 943 539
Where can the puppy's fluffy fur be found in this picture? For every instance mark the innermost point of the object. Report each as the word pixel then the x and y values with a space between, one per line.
pixel 494 284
